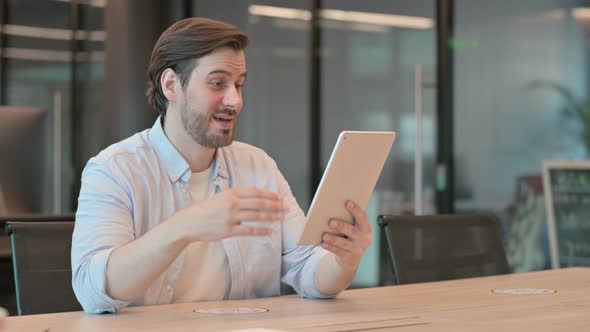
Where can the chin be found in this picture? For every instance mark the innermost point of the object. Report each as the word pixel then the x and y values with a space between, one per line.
pixel 224 139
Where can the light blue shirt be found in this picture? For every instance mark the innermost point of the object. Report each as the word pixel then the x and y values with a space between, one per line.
pixel 135 184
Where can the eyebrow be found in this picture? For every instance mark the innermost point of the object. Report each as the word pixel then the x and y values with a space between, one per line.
pixel 224 72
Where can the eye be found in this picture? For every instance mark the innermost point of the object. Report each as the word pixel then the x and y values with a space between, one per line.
pixel 216 84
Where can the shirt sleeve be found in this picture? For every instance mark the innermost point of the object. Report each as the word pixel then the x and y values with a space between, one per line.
pixel 299 263
pixel 103 223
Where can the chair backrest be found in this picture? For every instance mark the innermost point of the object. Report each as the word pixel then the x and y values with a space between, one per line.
pixel 38 217
pixel 444 247
pixel 42 269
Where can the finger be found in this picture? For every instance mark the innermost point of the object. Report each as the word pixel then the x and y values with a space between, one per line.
pixel 251 215
pixel 241 230
pixel 262 204
pixel 254 192
pixel 360 216
pixel 338 241
pixel 336 250
pixel 344 228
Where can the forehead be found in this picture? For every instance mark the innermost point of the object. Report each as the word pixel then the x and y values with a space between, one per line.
pixel 224 58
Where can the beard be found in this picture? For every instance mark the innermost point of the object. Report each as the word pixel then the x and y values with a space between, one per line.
pixel 196 125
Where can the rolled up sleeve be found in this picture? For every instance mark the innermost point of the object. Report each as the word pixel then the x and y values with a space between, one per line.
pixel 103 223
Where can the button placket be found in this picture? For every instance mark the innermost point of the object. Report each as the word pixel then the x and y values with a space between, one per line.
pixel 186 195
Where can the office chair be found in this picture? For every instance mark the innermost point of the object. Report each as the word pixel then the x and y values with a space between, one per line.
pixel 42 270
pixel 38 217
pixel 443 247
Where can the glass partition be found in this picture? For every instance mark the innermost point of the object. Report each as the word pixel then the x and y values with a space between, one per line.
pixel 276 94
pixel 378 70
pixel 515 64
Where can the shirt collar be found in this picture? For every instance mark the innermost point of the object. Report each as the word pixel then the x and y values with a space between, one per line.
pixel 174 163
pixel 220 168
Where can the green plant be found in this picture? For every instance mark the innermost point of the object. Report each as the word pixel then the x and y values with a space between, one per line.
pixel 574 108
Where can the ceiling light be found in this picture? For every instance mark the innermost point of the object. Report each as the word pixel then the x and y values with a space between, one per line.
pixel 390 20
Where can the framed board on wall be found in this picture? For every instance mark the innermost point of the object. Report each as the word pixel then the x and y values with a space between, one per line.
pixel 567 200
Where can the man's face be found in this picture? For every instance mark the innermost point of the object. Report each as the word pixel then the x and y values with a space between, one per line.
pixel 212 100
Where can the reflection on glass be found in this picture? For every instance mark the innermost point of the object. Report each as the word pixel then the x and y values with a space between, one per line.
pixel 23 178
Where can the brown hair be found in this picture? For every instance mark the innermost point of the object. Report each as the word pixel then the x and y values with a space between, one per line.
pixel 179 48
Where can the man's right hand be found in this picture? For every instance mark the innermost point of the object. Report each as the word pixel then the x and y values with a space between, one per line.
pixel 134 266
pixel 223 214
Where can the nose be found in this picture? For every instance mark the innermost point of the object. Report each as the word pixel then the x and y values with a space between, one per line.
pixel 233 98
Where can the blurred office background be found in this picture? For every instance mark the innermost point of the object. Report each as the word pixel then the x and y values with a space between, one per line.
pixel 477 72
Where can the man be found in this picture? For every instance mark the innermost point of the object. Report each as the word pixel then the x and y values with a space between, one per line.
pixel 179 213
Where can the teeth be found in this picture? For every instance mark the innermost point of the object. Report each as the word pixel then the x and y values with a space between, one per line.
pixel 221 118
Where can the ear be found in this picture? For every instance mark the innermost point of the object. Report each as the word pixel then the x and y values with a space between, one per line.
pixel 170 83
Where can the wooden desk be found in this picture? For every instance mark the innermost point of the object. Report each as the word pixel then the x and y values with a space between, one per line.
pixel 460 305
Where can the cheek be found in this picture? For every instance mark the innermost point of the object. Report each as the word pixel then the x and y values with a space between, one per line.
pixel 239 104
pixel 238 109
pixel 213 101
pixel 205 102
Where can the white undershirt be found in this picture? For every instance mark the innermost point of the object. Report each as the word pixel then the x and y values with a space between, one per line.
pixel 205 274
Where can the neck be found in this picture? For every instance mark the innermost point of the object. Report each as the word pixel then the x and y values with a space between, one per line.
pixel 197 156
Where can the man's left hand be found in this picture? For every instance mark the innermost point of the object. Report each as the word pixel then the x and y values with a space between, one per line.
pixel 350 247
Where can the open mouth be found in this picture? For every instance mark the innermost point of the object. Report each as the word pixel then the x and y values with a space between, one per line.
pixel 223 117
pixel 224 121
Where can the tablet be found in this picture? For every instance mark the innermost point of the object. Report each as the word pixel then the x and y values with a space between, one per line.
pixel 351 174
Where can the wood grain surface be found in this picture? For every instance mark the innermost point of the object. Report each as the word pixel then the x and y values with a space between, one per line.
pixel 459 305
